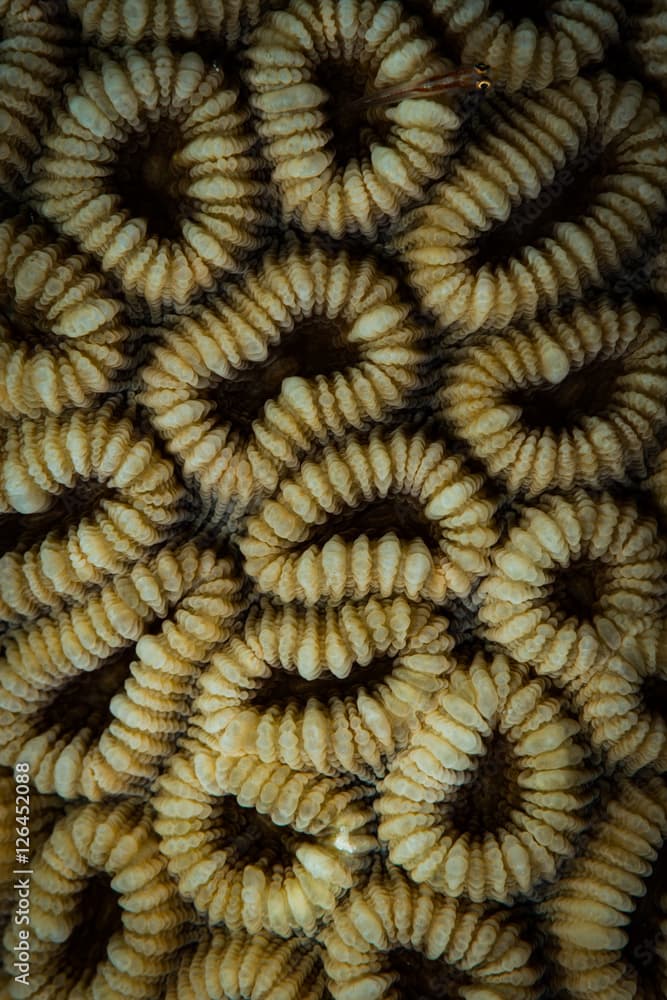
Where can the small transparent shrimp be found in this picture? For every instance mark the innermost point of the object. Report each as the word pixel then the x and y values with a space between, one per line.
pixel 467 78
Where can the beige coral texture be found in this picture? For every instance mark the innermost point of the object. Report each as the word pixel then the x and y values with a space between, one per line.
pixel 333 500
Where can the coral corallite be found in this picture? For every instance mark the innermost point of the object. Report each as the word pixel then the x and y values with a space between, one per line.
pixel 333 500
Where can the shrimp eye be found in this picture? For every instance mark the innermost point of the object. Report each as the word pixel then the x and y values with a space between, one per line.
pixel 482 68
pixel 483 85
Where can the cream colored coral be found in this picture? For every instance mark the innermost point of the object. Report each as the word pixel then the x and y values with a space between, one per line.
pixel 389 912
pixel 351 730
pixel 62 299
pixel 140 706
pixel 29 817
pixel 35 48
pixel 208 178
pixel 615 702
pixel 223 859
pixel 578 542
pixel 114 841
pixel 140 506
pixel 653 275
pixel 354 474
pixel 488 385
pixel 81 637
pixel 538 790
pixel 113 22
pixel 657 481
pixel 250 967
pixel 330 641
pixel 370 45
pixel 648 37
pixel 154 708
pixel 233 337
pixel 516 157
pixel 563 38
pixel 588 916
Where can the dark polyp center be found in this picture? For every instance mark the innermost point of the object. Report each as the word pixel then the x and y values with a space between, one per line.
pixel 348 122
pixel 314 346
pixel 515 11
pixel 255 836
pixel 463 628
pixel 20 531
pixel 578 587
pixel 584 392
pixel 421 978
pixel 148 181
pixel 12 527
pixel 484 804
pixel 642 8
pixel 25 328
pixel 567 198
pixel 644 950
pixel 84 700
pixel 282 687
pixel 398 514
pixel 210 50
pixel 100 917
pixel 654 690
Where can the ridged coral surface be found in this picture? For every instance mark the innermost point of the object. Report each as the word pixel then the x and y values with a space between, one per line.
pixel 333 499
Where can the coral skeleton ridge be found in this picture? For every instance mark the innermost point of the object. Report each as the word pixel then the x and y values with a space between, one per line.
pixel 333 500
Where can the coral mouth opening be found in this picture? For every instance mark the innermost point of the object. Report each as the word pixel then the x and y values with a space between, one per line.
pixel 94 689
pixel 282 687
pixel 375 519
pixel 422 978
pixel 515 11
pixel 654 690
pixel 464 629
pixel 148 182
pixel 100 918
pixel 585 392
pixel 486 802
pixel 315 346
pixel 578 588
pixel 569 196
pixel 26 329
pixel 15 534
pixel 348 121
pixel 642 8
pixel 645 946
pixel 255 836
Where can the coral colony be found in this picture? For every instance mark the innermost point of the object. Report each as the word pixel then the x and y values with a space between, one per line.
pixel 333 499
